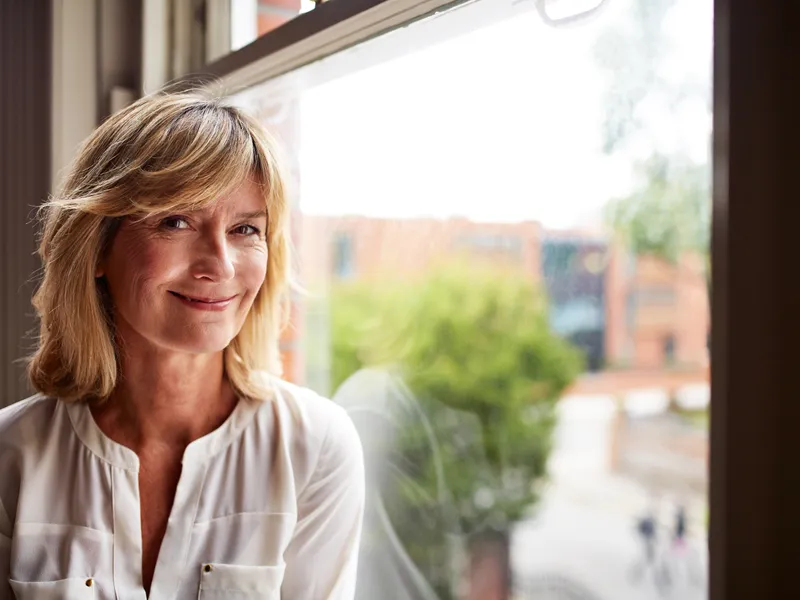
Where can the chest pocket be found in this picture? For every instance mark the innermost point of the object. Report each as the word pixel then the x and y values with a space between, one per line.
pixel 236 582
pixel 74 588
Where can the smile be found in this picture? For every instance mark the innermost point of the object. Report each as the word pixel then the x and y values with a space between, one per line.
pixel 204 303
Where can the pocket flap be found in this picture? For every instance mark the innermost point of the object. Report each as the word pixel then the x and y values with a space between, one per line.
pixel 77 588
pixel 215 577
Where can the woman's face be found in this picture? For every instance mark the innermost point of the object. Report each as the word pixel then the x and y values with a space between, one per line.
pixel 186 282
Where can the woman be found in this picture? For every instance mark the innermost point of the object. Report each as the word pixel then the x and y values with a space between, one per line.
pixel 163 457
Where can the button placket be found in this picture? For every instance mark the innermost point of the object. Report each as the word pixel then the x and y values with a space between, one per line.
pixel 172 556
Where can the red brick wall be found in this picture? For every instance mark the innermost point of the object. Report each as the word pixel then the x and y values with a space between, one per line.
pixel 673 302
pixel 616 342
pixel 407 247
pixel 274 13
pixel 673 297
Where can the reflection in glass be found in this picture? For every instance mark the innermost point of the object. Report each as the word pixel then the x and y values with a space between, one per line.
pixel 503 228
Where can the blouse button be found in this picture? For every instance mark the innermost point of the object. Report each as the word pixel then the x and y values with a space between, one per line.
pixel 207 568
pixel 89 582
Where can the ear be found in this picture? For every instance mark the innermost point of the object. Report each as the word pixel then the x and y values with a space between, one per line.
pixel 100 270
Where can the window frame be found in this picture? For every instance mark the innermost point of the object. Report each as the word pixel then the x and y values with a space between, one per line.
pixel 754 480
pixel 331 27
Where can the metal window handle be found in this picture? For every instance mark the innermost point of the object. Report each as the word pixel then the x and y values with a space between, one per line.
pixel 566 21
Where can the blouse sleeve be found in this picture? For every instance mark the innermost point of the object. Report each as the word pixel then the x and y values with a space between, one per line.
pixel 322 557
pixel 5 554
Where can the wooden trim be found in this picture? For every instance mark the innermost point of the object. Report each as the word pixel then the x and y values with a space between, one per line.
pixel 326 30
pixel 301 27
pixel 755 421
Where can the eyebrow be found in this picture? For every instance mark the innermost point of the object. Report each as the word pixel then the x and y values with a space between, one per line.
pixel 252 215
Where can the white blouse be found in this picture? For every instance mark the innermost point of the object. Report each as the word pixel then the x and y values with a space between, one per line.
pixel 268 506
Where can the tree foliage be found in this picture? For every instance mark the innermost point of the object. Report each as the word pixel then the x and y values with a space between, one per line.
pixel 475 349
pixel 670 211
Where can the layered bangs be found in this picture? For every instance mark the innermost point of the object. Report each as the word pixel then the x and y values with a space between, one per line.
pixel 199 155
pixel 179 154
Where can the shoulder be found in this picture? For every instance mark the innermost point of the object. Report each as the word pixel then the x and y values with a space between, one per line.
pixel 317 418
pixel 316 427
pixel 24 428
pixel 25 421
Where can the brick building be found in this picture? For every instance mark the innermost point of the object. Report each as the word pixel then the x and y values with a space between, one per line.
pixel 665 316
pixel 336 248
pixel 641 313
pixel 623 312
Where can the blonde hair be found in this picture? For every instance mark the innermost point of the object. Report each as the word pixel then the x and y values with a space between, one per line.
pixel 166 152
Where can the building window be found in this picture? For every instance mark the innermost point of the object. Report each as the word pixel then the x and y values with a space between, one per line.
pixel 558 259
pixel 576 315
pixel 669 349
pixel 510 244
pixel 343 263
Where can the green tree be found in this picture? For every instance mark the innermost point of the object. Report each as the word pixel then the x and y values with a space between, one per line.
pixel 476 350
pixel 669 212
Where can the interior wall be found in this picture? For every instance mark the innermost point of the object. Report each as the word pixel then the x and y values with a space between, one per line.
pixel 75 91
pixel 25 68
pixel 60 62
pixel 96 50
pixel 119 50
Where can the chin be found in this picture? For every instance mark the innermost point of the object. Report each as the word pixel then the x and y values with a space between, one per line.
pixel 210 347
pixel 200 344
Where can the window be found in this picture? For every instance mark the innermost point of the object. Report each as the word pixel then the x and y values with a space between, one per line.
pixel 343 259
pixel 232 24
pixel 559 258
pixel 669 349
pixel 250 19
pixel 491 242
pixel 529 399
pixel 577 315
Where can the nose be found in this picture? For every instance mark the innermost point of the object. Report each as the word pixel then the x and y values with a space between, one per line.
pixel 213 259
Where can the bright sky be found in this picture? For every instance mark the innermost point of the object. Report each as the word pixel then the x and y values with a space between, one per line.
pixel 502 124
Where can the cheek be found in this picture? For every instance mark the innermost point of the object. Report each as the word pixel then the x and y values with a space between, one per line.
pixel 160 263
pixel 137 266
pixel 253 268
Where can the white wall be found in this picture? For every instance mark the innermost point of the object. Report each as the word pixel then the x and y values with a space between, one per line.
pixel 96 49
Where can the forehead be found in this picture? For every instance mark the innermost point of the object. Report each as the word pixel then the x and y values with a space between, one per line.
pixel 247 197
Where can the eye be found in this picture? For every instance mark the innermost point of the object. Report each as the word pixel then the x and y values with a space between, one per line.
pixel 174 222
pixel 246 229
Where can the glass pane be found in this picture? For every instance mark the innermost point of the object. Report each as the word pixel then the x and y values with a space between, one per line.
pixel 251 19
pixel 502 225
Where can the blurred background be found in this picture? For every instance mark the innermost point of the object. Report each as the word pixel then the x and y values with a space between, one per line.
pixel 501 221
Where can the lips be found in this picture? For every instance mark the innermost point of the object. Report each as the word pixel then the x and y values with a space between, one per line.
pixel 203 300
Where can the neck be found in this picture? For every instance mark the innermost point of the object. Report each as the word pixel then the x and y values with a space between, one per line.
pixel 166 398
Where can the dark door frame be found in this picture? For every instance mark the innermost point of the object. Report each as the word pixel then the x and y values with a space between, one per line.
pixel 25 142
pixel 755 421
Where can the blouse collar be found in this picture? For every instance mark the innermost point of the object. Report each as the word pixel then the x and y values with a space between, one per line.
pixel 121 456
